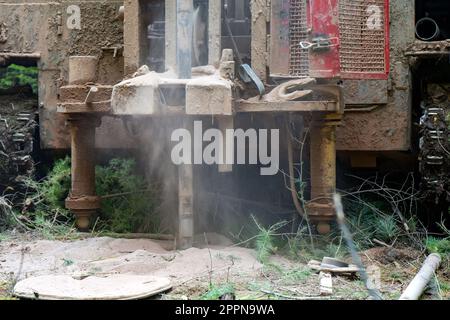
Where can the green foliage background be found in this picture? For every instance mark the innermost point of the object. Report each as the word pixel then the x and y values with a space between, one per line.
pixel 133 212
pixel 133 207
pixel 19 75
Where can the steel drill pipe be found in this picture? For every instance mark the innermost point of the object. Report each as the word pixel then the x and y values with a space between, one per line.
pixel 184 29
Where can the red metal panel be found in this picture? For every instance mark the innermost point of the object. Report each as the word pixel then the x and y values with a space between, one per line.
pixel 359 42
pixel 324 20
pixel 298 32
pixel 288 27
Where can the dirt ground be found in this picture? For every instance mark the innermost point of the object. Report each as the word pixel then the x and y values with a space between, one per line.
pixel 195 271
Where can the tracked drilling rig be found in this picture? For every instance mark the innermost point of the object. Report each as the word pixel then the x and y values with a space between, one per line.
pixel 347 64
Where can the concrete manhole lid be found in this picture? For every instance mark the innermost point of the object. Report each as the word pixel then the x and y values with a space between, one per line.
pixel 112 287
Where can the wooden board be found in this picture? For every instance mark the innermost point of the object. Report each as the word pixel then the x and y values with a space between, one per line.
pixel 279 38
pixel 112 287
pixel 286 106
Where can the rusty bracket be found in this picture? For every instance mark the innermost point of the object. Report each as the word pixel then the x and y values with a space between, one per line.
pixel 319 43
pixel 335 91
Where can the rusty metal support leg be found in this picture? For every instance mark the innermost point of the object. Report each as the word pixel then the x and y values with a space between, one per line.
pixel 82 200
pixel 323 171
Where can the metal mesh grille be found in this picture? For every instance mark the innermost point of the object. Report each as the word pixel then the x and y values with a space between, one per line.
pixel 298 31
pixel 362 36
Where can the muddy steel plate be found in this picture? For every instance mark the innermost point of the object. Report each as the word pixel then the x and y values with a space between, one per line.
pixel 112 287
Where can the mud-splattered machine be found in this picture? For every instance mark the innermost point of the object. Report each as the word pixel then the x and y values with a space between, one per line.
pixel 345 63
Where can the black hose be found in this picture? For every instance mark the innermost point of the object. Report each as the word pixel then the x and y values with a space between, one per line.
pixel 427 29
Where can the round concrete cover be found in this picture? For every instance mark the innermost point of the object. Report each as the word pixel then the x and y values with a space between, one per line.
pixel 112 287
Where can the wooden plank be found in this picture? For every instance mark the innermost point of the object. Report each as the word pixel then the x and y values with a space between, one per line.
pixel 214 32
pixel 426 53
pixel 132 36
pixel 315 265
pixel 259 38
pixel 19 55
pixel 279 37
pixel 287 106
pixel 81 107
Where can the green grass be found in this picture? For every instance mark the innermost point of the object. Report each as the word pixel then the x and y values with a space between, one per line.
pixel 435 245
pixel 3 237
pixel 292 275
pixel 5 291
pixel 444 286
pixel 215 292
pixel 136 210
pixel 67 262
pixel 386 228
pixel 296 275
pixel 5 214
pixel 265 240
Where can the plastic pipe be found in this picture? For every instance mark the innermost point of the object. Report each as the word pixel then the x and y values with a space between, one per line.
pixel 422 278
